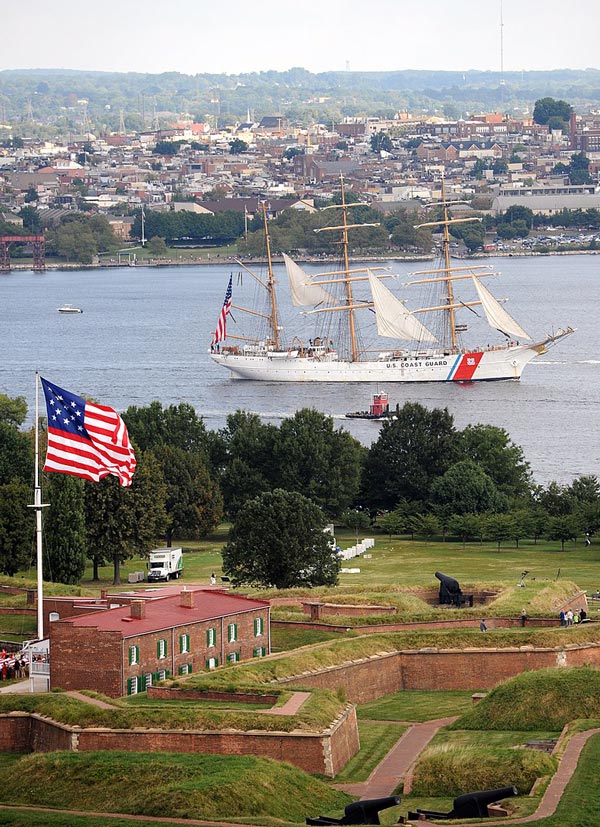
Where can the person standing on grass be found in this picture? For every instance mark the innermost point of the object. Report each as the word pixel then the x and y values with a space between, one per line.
pixel 482 626
pixel 569 617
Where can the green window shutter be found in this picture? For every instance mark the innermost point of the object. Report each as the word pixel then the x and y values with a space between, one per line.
pixel 137 654
pixel 158 649
pixel 131 651
pixel 187 643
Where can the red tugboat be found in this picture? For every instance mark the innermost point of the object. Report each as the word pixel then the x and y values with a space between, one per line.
pixel 380 409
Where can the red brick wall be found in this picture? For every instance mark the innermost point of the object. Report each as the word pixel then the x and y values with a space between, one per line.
pixel 173 693
pixel 474 669
pixel 325 752
pixel 24 732
pixel 83 659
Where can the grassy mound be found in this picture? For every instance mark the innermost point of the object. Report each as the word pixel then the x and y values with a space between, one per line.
pixel 450 770
pixel 184 786
pixel 316 714
pixel 543 700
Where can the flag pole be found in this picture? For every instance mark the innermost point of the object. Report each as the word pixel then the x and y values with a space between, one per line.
pixel 38 505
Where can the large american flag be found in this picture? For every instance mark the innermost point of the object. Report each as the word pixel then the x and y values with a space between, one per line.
pixel 221 331
pixel 85 439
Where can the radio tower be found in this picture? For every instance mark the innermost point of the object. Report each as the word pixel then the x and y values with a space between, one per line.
pixel 501 55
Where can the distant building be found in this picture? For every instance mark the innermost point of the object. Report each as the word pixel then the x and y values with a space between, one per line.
pixel 123 650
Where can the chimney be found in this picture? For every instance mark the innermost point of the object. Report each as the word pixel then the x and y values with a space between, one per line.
pixel 186 599
pixel 138 609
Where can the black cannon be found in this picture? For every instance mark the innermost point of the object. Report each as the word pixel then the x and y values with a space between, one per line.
pixel 450 592
pixel 469 805
pixel 360 812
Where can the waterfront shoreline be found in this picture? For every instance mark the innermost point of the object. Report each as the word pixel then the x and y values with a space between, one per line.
pixel 219 262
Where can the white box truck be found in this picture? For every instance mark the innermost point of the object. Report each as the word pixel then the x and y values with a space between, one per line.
pixel 165 564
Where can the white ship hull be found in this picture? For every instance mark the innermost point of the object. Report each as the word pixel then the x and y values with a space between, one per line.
pixel 499 363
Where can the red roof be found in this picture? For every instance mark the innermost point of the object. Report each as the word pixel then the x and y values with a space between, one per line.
pixel 167 613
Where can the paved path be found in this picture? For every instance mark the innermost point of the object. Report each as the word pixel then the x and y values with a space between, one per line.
pixel 395 766
pixel 79 696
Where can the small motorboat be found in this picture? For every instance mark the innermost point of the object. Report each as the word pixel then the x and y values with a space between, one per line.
pixel 69 308
pixel 380 409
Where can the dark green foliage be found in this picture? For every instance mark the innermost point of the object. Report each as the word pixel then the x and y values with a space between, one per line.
pixel 237 146
pixel 178 426
pixel 555 113
pixel 317 460
pixel 64 529
pixel 16 526
pixel 492 449
pixel 465 488
pixel 278 539
pixel 381 142
pixel 16 454
pixel 222 227
pixel 412 450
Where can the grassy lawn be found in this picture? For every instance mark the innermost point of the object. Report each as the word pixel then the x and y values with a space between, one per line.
pixel 284 639
pixel 376 740
pixel 414 705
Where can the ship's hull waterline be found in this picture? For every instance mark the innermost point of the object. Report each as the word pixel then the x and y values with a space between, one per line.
pixel 502 363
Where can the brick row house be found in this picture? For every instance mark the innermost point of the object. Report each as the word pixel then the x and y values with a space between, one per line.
pixel 123 650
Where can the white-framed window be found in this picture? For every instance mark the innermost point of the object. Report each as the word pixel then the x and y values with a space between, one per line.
pixel 260 652
pixel 134 655
pixel 259 626
pixel 161 649
pixel 232 632
pixel 146 681
pixel 212 663
pixel 185 669
pixel 184 643
pixel 132 686
pixel 211 637
pixel 233 657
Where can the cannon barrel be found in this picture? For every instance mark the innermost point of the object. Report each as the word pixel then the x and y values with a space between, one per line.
pixel 471 805
pixel 359 812
pixel 449 582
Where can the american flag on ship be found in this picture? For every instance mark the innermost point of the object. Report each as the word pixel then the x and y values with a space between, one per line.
pixel 221 331
pixel 85 439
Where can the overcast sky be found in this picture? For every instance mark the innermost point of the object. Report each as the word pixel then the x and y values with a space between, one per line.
pixel 193 36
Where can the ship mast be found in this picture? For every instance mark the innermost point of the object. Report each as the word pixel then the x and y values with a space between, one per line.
pixel 446 269
pixel 271 282
pixel 345 273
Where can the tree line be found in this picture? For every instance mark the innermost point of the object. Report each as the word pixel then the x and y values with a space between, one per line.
pixel 280 486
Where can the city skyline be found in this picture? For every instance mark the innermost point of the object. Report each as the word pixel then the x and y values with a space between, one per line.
pixel 191 37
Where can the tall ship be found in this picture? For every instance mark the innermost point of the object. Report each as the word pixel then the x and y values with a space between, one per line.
pixel 342 308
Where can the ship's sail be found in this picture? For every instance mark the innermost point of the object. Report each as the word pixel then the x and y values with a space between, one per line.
pixel 305 293
pixel 497 316
pixel 393 318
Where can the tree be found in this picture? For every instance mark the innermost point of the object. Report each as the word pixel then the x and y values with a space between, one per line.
pixel 122 521
pixel 413 449
pixel 563 528
pixel 16 454
pixel 237 146
pixel 393 522
pixel 16 526
pixel 498 527
pixel 13 410
pixel 178 426
pixel 194 505
pixel 465 526
pixel 32 220
pixel 492 449
pixel 248 463
pixel 353 518
pixel 157 246
pixel 318 460
pixel 552 112
pixel 466 489
pixel 64 529
pixel 381 142
pixel 278 539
